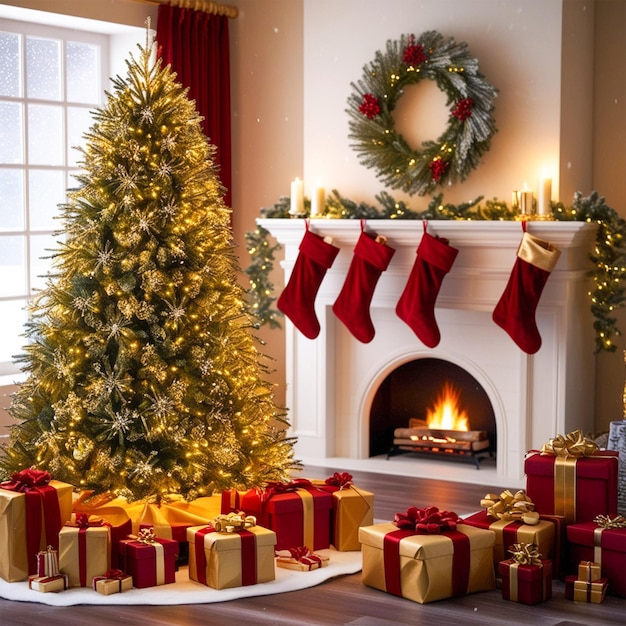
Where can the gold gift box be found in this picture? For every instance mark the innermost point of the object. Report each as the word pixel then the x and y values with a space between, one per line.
pixel 98 551
pixel 590 592
pixel 589 571
pixel 47 584
pixel 14 557
pixel 352 508
pixel 426 562
pixel 222 552
pixel 108 586
pixel 289 562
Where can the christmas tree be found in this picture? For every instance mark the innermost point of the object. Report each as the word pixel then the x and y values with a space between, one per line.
pixel 143 375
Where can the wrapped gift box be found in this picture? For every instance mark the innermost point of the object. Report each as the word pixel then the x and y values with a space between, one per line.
pixel 231 559
pixel 30 520
pixel 508 533
pixel 149 560
pixel 301 559
pixel 582 591
pixel 528 584
pixel 577 488
pixel 560 553
pixel 606 546
pixel 351 508
pixel 47 584
pixel 427 567
pixel 84 550
pixel 48 562
pixel 589 571
pixel 113 581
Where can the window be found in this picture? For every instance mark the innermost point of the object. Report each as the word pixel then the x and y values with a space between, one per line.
pixel 50 81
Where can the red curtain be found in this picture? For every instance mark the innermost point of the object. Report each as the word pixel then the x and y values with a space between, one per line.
pixel 195 45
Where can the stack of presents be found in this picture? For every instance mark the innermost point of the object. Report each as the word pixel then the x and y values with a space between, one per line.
pixel 563 526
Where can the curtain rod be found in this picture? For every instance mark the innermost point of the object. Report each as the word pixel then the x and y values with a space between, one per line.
pixel 214 8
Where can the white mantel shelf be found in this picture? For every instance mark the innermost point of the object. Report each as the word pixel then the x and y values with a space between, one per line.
pixel 332 380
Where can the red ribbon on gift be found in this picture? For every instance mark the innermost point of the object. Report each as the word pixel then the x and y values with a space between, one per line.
pixel 275 488
pixel 33 483
pixel 339 480
pixel 427 521
pixel 83 524
pixel 248 555
pixel 303 555
pixel 111 574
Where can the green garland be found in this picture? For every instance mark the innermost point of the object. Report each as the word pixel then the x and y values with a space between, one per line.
pixel 470 126
pixel 609 256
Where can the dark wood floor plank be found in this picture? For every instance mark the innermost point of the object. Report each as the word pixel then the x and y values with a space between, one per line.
pixel 345 600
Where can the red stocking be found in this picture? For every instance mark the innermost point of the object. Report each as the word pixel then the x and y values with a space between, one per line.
pixel 416 305
pixel 515 312
pixel 371 258
pixel 297 301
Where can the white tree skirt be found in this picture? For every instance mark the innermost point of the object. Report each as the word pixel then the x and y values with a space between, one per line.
pixel 185 591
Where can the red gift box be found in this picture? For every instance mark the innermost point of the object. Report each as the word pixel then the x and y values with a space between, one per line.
pixel 150 561
pixel 298 512
pixel 560 554
pixel 577 488
pixel 528 584
pixel 606 546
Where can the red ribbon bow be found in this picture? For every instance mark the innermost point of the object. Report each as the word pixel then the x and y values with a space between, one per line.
pixel 275 488
pixel 27 479
pixel 428 521
pixel 339 480
pixel 115 574
pixel 82 521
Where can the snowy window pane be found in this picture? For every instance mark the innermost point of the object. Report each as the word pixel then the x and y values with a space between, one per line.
pixel 43 68
pixel 83 72
pixel 11 133
pixel 13 315
pixel 10 75
pixel 12 266
pixel 79 121
pixel 46 190
pixel 12 194
pixel 41 249
pixel 45 134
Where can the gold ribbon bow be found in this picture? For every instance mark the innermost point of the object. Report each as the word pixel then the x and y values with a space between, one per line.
pixel 511 507
pixel 573 444
pixel 606 522
pixel 233 522
pixel 526 554
pixel 146 535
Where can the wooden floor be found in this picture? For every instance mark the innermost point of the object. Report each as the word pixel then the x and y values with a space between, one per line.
pixel 345 600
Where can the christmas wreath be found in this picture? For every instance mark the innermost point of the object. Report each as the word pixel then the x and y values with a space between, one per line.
pixel 470 127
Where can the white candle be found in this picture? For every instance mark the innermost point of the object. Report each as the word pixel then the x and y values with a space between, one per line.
pixel 318 201
pixel 297 197
pixel 545 196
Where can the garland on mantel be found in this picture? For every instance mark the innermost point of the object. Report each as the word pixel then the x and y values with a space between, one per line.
pixel 609 256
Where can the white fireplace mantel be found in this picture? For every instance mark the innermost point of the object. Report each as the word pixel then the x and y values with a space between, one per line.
pixel 332 380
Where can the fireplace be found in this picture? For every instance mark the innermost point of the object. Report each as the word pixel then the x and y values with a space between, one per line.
pixel 333 380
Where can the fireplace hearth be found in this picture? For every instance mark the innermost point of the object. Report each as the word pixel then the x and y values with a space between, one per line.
pixel 333 380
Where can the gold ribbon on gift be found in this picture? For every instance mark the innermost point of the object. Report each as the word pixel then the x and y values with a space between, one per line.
pixel 573 444
pixel 511 507
pixel 233 522
pixel 605 521
pixel 526 554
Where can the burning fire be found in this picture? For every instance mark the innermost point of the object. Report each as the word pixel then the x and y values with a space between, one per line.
pixel 446 413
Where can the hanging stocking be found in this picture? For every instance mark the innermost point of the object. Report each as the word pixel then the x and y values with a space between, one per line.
pixel 371 258
pixel 297 301
pixel 416 305
pixel 515 312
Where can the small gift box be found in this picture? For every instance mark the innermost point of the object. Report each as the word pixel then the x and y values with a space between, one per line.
pixel 427 555
pixel 84 550
pixel 583 591
pixel 526 578
pixel 298 512
pixel 589 571
pixel 351 508
pixel 48 562
pixel 570 477
pixel 231 552
pixel 33 509
pixel 300 559
pixel 113 581
pixel 602 541
pixel 149 560
pixel 513 519
pixel 47 584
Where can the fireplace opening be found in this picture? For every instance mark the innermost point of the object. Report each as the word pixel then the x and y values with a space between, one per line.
pixel 432 406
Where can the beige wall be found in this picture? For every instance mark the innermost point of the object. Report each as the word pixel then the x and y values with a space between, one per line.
pixel 559 65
